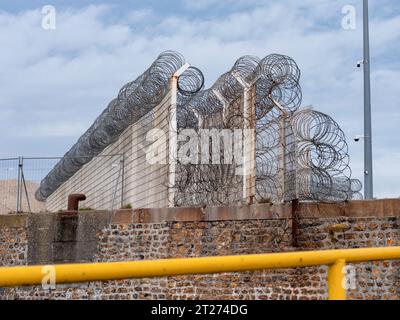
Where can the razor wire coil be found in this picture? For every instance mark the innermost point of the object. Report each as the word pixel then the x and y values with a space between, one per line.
pixel 299 153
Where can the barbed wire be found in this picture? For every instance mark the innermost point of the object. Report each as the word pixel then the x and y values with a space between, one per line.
pixel 134 100
pixel 299 153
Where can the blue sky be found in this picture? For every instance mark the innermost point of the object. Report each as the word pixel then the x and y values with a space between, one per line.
pixel 54 83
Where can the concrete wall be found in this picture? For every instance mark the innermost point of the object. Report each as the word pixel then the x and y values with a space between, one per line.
pixel 163 233
pixel 106 180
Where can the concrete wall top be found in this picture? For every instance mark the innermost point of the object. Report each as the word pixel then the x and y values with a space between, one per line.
pixel 370 208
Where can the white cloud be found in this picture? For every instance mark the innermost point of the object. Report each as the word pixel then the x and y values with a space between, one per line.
pixel 54 129
pixel 138 16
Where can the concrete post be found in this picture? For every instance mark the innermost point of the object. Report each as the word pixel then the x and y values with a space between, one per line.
pixel 249 145
pixel 172 142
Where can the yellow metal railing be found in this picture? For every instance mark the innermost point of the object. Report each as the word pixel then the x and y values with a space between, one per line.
pixel 102 271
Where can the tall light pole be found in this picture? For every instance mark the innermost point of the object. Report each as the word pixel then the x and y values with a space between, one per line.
pixel 368 170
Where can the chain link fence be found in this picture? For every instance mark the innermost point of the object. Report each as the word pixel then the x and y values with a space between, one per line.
pixel 20 178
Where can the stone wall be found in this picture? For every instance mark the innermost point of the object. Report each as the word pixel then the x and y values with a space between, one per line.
pixel 13 241
pixel 166 233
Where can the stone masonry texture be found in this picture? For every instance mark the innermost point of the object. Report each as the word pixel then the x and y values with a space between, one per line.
pixel 135 240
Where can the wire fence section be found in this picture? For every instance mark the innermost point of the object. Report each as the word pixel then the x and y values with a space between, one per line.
pixel 8 185
pixel 100 180
pixel 20 178
pixel 144 180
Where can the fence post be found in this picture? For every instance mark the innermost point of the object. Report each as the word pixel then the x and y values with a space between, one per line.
pixel 249 145
pixel 172 141
pixel 23 183
pixel 122 179
pixel 336 280
pixel 249 140
pixel 19 191
pixel 282 158
pixel 114 195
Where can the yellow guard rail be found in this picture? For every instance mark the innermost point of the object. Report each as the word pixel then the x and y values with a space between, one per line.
pixel 102 271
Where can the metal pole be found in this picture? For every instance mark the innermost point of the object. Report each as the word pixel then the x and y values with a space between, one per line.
pixel 368 172
pixel 336 277
pixel 103 271
pixel 21 185
pixel 25 188
pixel 19 191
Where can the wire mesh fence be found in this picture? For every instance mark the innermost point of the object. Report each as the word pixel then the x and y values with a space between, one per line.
pixel 101 180
pixel 293 153
pixel 20 179
pixel 8 185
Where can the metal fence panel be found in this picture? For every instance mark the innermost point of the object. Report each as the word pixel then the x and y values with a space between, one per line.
pixel 21 177
pixel 8 185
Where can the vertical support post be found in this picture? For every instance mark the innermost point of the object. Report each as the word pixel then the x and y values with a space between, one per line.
pixel 122 179
pixel 336 280
pixel 114 195
pixel 18 185
pixel 172 142
pixel 296 169
pixel 21 183
pixel 25 188
pixel 282 158
pixel 249 146
pixel 368 168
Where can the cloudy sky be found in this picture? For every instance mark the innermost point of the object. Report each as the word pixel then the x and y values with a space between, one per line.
pixel 54 83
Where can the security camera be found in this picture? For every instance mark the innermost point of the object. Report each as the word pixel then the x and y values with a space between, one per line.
pixel 358 138
pixel 359 63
